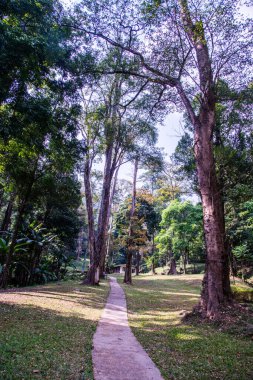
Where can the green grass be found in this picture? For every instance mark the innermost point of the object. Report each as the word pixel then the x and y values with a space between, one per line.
pixel 242 292
pixel 46 331
pixel 184 350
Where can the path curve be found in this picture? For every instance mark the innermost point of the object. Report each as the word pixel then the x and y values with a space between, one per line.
pixel 117 355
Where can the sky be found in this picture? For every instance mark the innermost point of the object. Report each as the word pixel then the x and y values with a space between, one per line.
pixel 169 135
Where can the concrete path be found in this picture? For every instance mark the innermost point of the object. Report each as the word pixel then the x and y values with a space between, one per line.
pixel 117 355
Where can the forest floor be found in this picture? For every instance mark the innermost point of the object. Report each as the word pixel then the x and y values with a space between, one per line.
pixel 46 331
pixel 186 350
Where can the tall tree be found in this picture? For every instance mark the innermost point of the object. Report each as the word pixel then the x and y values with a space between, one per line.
pixel 190 47
pixel 114 126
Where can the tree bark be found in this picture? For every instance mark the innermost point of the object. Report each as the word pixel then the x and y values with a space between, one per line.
pixel 153 266
pixel 128 272
pixel 104 210
pixel 7 216
pixel 91 276
pixel 8 261
pixel 173 267
pixel 21 209
pixel 111 155
pixel 106 244
pixel 216 284
pixel 79 248
pixel 137 266
pixel 184 258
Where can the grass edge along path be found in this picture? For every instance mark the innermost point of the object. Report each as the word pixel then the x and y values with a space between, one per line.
pixel 184 351
pixel 46 331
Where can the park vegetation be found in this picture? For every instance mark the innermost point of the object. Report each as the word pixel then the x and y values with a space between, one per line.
pixel 82 92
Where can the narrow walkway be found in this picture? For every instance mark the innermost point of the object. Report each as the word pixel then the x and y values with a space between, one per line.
pixel 117 355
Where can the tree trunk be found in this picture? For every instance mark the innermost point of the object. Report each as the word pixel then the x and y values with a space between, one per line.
pixel 184 258
pixel 79 248
pixel 7 216
pixel 106 245
pixel 137 267
pixel 104 210
pixel 6 268
pixel 173 266
pixel 21 209
pixel 91 276
pixel 128 272
pixel 153 266
pixel 34 264
pixel 216 284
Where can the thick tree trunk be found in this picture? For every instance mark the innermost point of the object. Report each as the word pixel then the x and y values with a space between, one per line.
pixel 128 272
pixel 102 265
pixel 173 267
pixel 216 285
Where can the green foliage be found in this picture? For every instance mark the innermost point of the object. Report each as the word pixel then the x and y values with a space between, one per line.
pixel 182 232
pixel 39 149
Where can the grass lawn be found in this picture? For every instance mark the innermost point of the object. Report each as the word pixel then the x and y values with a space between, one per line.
pixel 46 331
pixel 184 350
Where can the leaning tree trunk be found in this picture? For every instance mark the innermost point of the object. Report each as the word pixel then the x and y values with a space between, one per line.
pixel 111 156
pixel 107 232
pixel 128 271
pixel 104 211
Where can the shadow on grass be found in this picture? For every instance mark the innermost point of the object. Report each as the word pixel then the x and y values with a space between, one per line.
pixel 47 333
pixel 184 350
pixel 41 344
pixel 67 298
